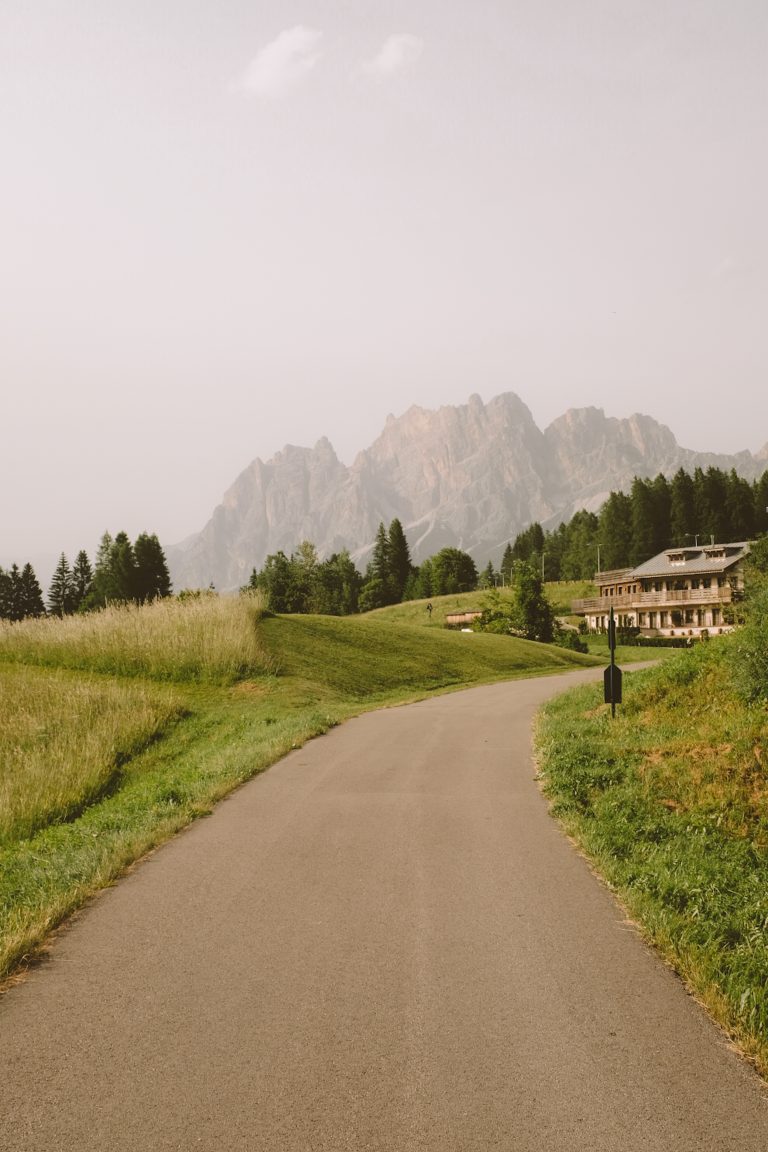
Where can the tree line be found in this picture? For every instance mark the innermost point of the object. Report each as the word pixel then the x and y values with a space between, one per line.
pixel 302 582
pixel 655 515
pixel 123 572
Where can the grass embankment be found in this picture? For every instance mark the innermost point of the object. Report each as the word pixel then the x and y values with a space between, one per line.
pixel 670 800
pixel 121 728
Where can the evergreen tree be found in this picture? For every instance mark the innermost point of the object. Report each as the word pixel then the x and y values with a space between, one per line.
pixel 533 612
pixel 488 576
pixel 615 531
pixel 398 560
pixel 529 544
pixel 662 509
pixel 82 576
pixel 61 593
pixel 373 594
pixel 380 558
pixel 15 608
pixel 275 580
pixel 378 588
pixel 337 586
pixel 6 595
pixel 710 494
pixel 740 508
pixel 30 594
pixel 507 564
pixel 643 533
pixel 579 560
pixel 152 580
pixel 123 570
pixel 682 514
pixel 101 589
pixel 423 586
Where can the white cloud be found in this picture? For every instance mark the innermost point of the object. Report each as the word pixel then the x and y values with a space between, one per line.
pixel 397 52
pixel 283 63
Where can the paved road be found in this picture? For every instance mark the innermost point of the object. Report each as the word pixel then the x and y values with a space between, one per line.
pixel 384 943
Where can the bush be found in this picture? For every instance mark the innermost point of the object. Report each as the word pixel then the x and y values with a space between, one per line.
pixel 749 652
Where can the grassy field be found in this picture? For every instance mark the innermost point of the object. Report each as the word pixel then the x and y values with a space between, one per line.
pixel 209 639
pixel 559 595
pixel 670 800
pixel 121 727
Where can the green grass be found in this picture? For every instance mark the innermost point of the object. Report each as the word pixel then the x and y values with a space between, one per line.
pixel 64 740
pixel 626 653
pixel 100 761
pixel 209 639
pixel 670 800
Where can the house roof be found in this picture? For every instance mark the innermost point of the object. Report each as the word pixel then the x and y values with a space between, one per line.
pixel 706 558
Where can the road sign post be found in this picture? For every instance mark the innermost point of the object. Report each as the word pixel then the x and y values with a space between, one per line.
pixel 612 674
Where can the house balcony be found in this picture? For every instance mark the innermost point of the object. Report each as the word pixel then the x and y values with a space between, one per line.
pixel 640 600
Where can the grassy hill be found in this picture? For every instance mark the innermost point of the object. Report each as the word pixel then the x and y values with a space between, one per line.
pixel 670 801
pixel 120 727
pixel 560 596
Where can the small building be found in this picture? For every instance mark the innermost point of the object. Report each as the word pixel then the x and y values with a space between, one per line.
pixel 461 619
pixel 680 592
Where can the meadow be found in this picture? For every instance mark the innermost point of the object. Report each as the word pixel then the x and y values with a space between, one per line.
pixel 122 726
pixel 670 802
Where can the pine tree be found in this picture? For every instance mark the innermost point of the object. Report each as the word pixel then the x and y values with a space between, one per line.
pixel 30 594
pixel 6 595
pixel 662 504
pixel 488 576
pixel 82 577
pixel 122 570
pixel 615 531
pixel 101 590
pixel 152 580
pixel 507 563
pixel 740 508
pixel 378 590
pixel 399 559
pixel 61 592
pixel 15 609
pixel 682 511
pixel 642 532
pixel 380 558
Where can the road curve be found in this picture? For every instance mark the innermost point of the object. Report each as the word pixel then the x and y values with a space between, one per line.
pixel 384 943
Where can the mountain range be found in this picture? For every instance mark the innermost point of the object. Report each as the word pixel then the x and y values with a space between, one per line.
pixel 471 476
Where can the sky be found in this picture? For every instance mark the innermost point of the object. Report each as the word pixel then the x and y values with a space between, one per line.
pixel 228 225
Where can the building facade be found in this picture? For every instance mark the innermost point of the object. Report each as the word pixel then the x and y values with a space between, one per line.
pixel 680 592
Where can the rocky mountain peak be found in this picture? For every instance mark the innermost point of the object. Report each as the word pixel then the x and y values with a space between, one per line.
pixel 470 476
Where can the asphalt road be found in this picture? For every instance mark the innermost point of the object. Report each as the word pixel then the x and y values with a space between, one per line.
pixel 383 943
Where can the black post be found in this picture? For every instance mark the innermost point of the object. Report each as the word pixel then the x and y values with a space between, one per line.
pixel 612 646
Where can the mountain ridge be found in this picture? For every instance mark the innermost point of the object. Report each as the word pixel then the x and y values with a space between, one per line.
pixel 470 476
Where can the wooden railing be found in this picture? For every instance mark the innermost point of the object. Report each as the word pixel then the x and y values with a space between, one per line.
pixel 654 599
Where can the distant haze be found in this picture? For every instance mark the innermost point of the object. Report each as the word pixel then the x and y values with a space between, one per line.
pixel 225 228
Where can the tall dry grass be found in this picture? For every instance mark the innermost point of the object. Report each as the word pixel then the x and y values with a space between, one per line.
pixel 64 740
pixel 211 639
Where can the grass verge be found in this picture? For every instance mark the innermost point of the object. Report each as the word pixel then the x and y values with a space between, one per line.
pixel 670 802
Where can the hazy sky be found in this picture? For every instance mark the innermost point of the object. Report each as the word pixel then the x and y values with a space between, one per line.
pixel 230 224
